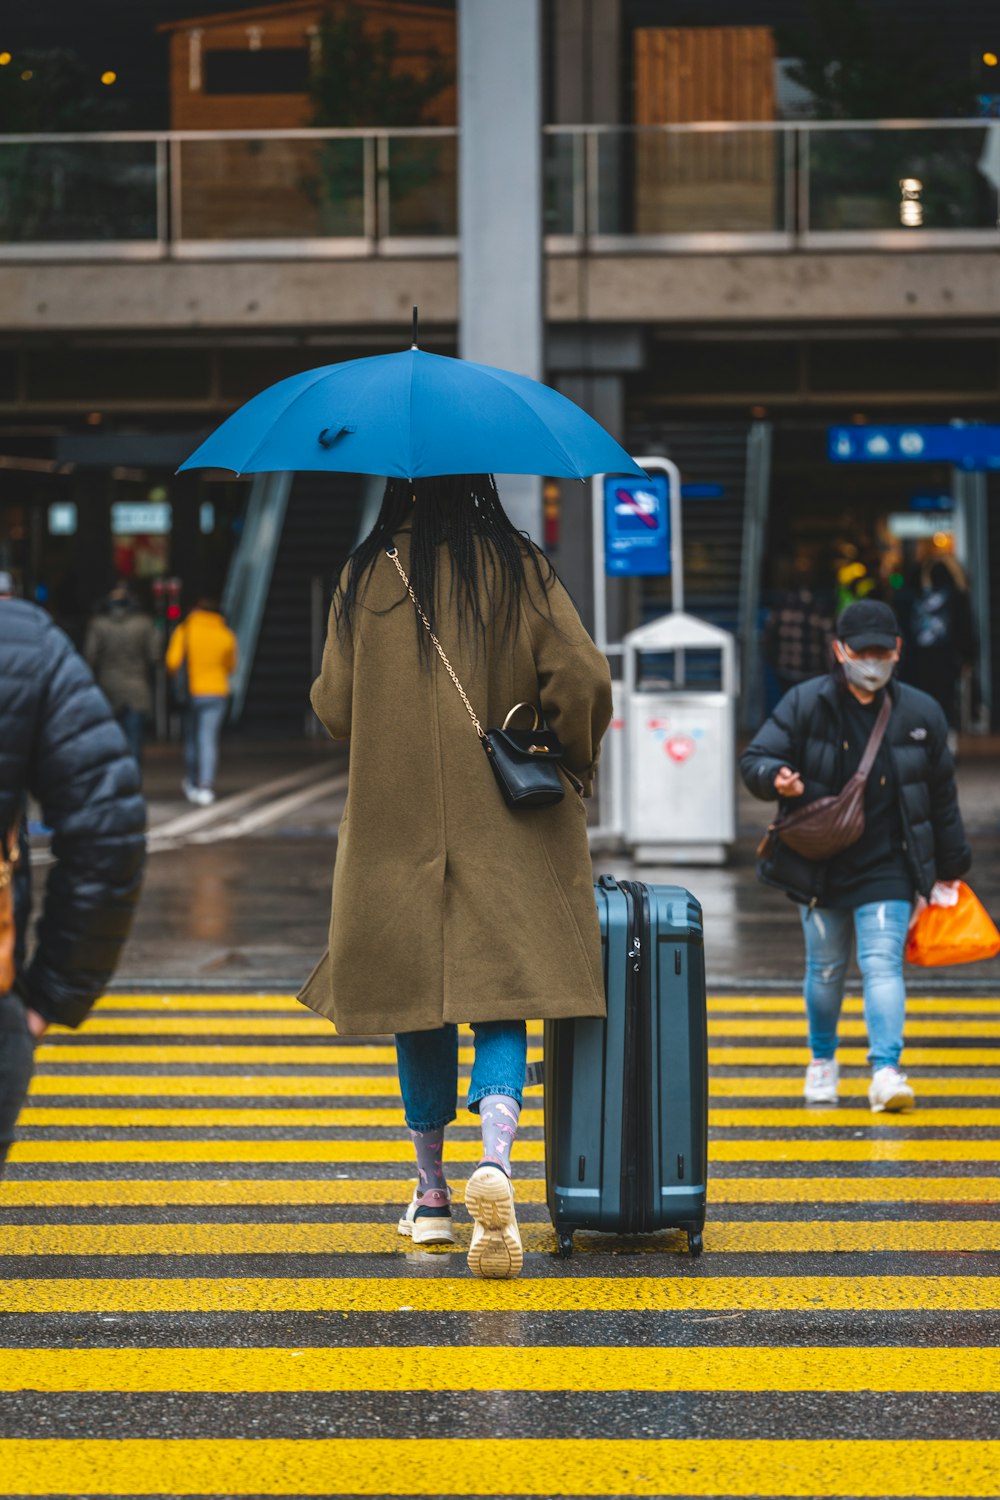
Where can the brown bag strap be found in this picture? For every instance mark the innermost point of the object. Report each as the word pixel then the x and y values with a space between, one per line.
pixel 875 738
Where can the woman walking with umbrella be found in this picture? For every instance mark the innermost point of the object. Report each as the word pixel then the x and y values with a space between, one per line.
pixel 447 905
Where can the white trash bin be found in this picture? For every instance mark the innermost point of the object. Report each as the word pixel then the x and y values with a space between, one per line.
pixel 680 749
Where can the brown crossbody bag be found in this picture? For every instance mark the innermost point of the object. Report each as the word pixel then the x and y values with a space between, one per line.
pixel 10 849
pixel 830 825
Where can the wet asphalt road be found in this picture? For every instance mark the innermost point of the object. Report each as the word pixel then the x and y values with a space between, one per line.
pixel 254 910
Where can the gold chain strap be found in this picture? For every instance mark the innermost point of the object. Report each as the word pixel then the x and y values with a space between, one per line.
pixel 393 553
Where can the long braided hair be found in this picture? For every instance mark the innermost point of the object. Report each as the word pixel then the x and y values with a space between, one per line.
pixel 488 555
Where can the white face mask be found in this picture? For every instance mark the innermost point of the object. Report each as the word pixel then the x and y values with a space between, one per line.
pixel 868 675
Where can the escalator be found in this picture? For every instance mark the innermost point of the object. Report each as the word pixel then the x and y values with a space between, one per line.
pixel 299 531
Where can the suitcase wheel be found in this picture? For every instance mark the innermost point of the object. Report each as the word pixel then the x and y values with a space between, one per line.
pixel 695 1242
pixel 565 1244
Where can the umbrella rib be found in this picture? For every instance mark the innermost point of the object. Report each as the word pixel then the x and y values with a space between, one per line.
pixel 546 431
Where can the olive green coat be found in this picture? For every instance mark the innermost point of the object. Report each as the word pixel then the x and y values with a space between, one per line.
pixel 447 906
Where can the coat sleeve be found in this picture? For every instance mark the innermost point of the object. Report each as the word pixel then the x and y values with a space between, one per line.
pixel 232 653
pixel 175 649
pixel 574 683
pixel 88 787
pixel 333 691
pixel 952 855
pixel 773 746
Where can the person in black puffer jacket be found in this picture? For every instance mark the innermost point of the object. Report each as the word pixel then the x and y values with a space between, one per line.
pixel 60 744
pixel 912 850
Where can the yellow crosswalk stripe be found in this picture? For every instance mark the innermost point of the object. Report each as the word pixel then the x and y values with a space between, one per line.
pixel 721 1238
pixel 793 1004
pixel 867 1470
pixel 945 1027
pixel 308 1024
pixel 303 1192
pixel 953 1005
pixel 349 1294
pixel 136 1117
pixel 361 1085
pixel 325 1054
pixel 927 1086
pixel 873 1150
pixel 574 1368
pixel 337 1053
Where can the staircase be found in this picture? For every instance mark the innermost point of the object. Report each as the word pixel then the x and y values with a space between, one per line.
pixel 320 530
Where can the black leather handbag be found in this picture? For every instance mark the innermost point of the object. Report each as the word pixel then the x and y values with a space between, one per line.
pixel 526 762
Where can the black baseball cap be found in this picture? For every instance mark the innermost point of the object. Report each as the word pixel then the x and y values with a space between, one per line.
pixel 868 623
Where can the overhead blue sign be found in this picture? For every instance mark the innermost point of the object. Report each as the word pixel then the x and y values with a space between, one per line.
pixel 636 527
pixel 974 447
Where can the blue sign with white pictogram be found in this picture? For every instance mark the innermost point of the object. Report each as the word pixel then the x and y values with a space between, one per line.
pixel 636 527
pixel 973 447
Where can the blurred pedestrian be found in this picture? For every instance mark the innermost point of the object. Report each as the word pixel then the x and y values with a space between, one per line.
pixel 60 744
pixel 448 906
pixel 122 648
pixel 912 845
pixel 798 632
pixel 939 635
pixel 202 656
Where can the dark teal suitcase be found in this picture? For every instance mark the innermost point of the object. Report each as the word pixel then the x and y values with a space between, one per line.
pixel 626 1099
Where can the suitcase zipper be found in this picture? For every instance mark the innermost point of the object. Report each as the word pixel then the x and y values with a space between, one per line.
pixel 635 1107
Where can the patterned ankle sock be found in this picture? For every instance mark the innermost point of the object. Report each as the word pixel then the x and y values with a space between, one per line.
pixel 498 1117
pixel 432 1189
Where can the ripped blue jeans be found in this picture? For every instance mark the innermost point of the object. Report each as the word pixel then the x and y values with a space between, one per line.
pixel 880 930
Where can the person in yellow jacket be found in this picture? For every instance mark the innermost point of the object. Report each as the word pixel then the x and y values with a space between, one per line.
pixel 204 649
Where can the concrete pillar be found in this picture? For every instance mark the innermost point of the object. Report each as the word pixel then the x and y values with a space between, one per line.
pixel 587 40
pixel 500 204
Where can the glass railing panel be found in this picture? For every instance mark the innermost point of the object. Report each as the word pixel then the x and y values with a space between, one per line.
pixel 562 181
pixel 270 188
pixel 662 182
pixel 420 187
pixel 903 178
pixel 76 192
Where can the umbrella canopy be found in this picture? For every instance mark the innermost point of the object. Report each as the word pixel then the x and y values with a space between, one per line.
pixel 412 415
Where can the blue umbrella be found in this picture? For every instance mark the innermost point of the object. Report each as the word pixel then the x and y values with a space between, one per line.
pixel 411 415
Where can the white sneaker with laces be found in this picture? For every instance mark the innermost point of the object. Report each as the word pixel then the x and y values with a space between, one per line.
pixel 889 1090
pixel 204 796
pixel 822 1077
pixel 425 1225
pixel 495 1251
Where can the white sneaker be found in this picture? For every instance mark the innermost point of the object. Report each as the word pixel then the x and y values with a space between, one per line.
pixel 425 1225
pixel 496 1250
pixel 889 1090
pixel 190 791
pixel 822 1076
pixel 204 796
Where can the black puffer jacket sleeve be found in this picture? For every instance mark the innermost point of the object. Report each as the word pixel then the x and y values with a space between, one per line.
pixel 952 855
pixel 775 744
pixel 62 745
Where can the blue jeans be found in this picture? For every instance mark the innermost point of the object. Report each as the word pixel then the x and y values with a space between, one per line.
pixel 17 1063
pixel 428 1069
pixel 134 725
pixel 203 719
pixel 880 928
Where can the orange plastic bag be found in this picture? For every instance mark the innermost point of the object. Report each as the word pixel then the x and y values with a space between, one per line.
pixel 961 934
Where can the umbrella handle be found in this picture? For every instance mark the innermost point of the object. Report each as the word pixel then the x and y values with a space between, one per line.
pixel 329 435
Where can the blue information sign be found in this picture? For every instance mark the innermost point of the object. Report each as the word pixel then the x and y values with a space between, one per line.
pixel 636 527
pixel 975 447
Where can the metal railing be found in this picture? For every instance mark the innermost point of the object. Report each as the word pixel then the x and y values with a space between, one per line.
pixel 310 193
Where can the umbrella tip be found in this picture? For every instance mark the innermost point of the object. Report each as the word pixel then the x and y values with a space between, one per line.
pixel 414 344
